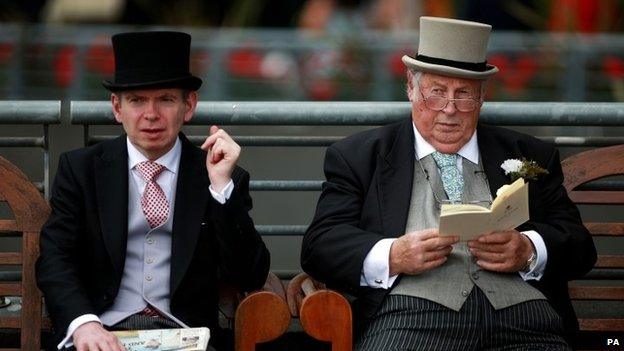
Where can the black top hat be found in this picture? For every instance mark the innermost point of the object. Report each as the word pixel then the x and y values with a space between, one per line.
pixel 152 60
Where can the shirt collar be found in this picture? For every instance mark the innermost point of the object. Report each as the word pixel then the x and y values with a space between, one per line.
pixel 171 160
pixel 469 151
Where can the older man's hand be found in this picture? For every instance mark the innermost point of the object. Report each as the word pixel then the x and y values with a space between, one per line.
pixel 92 336
pixel 506 251
pixel 417 252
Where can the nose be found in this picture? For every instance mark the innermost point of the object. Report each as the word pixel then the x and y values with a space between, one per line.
pixel 450 107
pixel 150 112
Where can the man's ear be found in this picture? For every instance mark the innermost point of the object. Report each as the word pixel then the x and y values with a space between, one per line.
pixel 191 104
pixel 116 103
pixel 409 85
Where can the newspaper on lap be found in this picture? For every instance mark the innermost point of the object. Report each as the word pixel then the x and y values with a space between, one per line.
pixel 189 339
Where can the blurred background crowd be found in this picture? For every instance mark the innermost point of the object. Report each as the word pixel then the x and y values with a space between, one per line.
pixel 548 50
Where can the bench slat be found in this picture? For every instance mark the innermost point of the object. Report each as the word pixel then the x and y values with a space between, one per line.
pixel 597 293
pixel 597 197
pixel 601 324
pixel 605 229
pixel 8 225
pixel 610 261
pixel 11 289
pixel 10 322
pixel 11 258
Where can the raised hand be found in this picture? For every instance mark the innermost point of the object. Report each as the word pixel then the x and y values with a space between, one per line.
pixel 223 153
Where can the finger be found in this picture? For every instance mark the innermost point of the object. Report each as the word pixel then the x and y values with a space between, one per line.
pixel 212 138
pixel 433 264
pixel 495 267
pixel 443 241
pixel 209 142
pixel 436 255
pixel 487 247
pixel 217 153
pixel 223 134
pixel 494 238
pixel 439 242
pixel 93 346
pixel 427 234
pixel 490 257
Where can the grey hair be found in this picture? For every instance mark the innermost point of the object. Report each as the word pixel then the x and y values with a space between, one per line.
pixel 414 76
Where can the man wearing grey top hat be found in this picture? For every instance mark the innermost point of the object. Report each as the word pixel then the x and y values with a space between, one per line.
pixel 374 234
pixel 144 226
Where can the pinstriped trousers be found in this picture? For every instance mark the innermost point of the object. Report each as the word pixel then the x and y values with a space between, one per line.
pixel 411 323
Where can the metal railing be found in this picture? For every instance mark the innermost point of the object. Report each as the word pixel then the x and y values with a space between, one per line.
pixel 90 113
pixel 42 113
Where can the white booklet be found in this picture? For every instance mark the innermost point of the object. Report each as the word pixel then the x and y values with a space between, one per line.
pixel 187 339
pixel 509 210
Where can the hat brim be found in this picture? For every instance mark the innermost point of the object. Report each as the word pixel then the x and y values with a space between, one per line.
pixel 189 82
pixel 411 62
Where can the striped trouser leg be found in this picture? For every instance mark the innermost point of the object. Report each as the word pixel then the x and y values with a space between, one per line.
pixel 531 325
pixel 410 323
pixel 138 322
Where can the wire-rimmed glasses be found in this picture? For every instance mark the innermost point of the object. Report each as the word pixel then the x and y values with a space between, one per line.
pixel 439 103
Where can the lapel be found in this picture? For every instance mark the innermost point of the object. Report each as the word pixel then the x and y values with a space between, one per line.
pixel 492 155
pixel 396 170
pixel 111 184
pixel 192 195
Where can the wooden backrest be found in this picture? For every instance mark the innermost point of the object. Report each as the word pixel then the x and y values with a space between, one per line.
pixel 261 316
pixel 30 211
pixel 324 314
pixel 578 170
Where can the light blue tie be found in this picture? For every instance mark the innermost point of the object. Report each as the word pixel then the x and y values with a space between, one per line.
pixel 452 179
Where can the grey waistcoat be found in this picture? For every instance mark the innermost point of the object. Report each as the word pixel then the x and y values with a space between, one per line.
pixel 451 283
pixel 147 268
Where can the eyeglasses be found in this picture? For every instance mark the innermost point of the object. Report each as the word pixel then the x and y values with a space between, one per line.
pixel 440 202
pixel 439 103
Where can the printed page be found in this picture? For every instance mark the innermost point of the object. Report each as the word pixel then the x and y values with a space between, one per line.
pixel 187 339
pixel 509 210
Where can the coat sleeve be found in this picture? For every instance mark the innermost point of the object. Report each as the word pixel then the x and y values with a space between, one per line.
pixel 56 271
pixel 334 246
pixel 243 257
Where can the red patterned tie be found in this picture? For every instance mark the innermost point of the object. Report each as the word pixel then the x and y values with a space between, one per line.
pixel 153 202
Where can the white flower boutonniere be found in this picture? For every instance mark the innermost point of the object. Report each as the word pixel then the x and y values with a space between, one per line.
pixel 524 168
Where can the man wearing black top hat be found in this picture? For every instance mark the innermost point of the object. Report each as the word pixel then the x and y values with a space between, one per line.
pixel 144 226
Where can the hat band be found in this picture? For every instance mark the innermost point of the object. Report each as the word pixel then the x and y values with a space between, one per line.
pixel 477 67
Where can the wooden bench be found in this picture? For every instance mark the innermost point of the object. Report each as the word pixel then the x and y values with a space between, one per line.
pixel 29 211
pixel 580 169
pixel 311 301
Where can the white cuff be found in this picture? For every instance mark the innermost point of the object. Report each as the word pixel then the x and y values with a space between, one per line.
pixel 536 270
pixel 376 267
pixel 225 194
pixel 80 320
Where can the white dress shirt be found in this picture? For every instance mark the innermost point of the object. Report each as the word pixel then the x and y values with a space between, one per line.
pixel 167 180
pixel 376 267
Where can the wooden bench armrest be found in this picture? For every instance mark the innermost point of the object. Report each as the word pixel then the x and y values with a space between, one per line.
pixel 262 316
pixel 324 314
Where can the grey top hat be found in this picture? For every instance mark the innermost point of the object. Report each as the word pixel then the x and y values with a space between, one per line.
pixel 451 47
